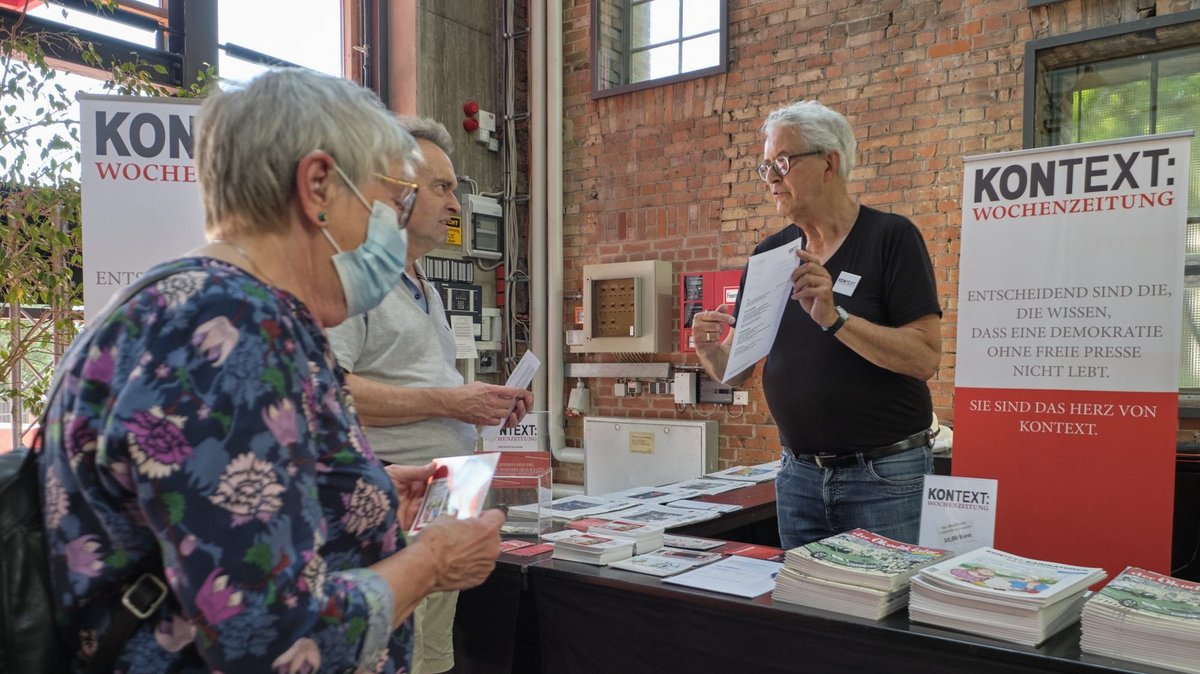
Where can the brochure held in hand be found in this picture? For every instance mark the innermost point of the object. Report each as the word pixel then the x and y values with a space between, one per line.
pixel 458 487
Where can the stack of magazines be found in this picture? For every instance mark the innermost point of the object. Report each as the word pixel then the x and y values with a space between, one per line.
pixel 646 537
pixel 1000 595
pixel 592 549
pixel 1145 617
pixel 857 572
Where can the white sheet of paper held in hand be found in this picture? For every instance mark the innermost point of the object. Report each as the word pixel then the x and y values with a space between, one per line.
pixel 768 287
pixel 521 377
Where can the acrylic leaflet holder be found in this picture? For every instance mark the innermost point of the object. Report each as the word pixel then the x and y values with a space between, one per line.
pixel 521 488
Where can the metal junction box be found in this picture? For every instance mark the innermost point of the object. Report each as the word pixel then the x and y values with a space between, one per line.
pixel 625 453
pixel 627 308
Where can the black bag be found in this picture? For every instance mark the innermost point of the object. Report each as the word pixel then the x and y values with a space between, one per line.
pixel 30 642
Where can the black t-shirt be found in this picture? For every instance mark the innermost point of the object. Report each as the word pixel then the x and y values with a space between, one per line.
pixel 826 398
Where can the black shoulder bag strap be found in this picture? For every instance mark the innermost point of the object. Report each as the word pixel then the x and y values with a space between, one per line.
pixel 141 599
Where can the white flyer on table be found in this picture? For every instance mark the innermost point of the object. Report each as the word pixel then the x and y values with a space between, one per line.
pixel 740 576
pixel 761 305
pixel 958 513
pixel 521 377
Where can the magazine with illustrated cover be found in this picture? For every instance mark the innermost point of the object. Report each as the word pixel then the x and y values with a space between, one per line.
pixel 1146 617
pixel 1152 596
pixel 666 562
pixel 1008 578
pixel 859 557
pixel 1000 595
pixel 458 487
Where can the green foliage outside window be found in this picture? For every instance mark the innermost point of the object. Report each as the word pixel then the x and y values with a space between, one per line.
pixel 40 242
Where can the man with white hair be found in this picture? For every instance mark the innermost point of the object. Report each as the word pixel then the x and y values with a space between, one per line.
pixel 846 376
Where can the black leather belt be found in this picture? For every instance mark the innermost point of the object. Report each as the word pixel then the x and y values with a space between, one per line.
pixel 920 439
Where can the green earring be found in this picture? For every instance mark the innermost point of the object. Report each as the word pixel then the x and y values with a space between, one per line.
pixel 321 216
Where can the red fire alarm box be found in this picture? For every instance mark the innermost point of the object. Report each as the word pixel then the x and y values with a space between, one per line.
pixel 704 291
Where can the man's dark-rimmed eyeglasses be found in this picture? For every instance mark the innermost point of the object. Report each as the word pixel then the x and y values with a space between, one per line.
pixel 782 164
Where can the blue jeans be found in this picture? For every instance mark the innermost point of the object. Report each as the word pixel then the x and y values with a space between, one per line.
pixel 882 496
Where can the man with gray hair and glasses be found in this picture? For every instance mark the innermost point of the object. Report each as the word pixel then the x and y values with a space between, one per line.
pixel 846 376
pixel 400 365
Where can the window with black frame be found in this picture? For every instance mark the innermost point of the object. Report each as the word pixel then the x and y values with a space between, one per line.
pixel 638 44
pixel 1143 78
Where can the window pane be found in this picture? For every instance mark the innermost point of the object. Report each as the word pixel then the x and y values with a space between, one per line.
pixel 1189 352
pixel 98 24
pixel 652 64
pixel 700 16
pixel 654 22
pixel 152 6
pixel 1157 92
pixel 1179 110
pixel 1112 100
pixel 271 27
pixel 701 52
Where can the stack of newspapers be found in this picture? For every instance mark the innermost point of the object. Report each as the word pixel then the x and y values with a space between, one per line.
pixel 592 549
pixel 645 537
pixel 1146 617
pixel 1000 595
pixel 857 572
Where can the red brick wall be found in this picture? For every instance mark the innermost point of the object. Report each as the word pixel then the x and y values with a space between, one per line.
pixel 668 172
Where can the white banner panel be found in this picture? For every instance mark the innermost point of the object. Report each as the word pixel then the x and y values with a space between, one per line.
pixel 140 201
pixel 1063 282
pixel 1067 368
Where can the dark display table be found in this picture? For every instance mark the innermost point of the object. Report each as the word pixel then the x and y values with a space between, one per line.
pixel 541 615
pixel 544 615
pixel 600 620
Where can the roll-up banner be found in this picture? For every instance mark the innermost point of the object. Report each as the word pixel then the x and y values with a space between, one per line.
pixel 1067 366
pixel 140 201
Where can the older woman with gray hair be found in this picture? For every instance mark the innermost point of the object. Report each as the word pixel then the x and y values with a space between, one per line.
pixel 210 501
pixel 845 377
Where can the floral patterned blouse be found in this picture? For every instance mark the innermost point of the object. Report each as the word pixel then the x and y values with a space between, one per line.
pixel 203 432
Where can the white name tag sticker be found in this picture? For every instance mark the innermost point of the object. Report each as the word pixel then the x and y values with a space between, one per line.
pixel 846 283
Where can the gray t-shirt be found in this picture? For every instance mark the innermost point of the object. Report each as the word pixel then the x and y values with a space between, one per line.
pixel 402 345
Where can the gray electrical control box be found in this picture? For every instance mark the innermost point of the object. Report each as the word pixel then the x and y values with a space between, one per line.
pixel 713 391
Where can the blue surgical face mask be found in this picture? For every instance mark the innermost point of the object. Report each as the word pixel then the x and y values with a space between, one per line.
pixel 372 270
